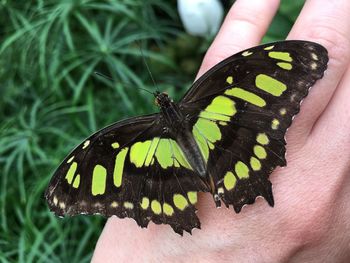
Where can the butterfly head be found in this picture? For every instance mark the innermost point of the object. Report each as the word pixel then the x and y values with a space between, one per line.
pixel 162 99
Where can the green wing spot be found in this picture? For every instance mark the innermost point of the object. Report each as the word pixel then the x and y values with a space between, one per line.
pixel 144 203
pixel 168 209
pixel 176 163
pixel 270 85
pixel 76 182
pixel 209 129
pixel 164 154
pixel 222 105
pixel 167 151
pixel 211 146
pixel 214 116
pixel 229 80
pixel 274 124
pixel 180 201
pixel 262 139
pixel 138 152
pixel 142 153
pixel 229 181
pixel 284 65
pixel 192 196
pixel 247 96
pixel 71 172
pixel 151 151
pixel 269 47
pixel 99 176
pixel 156 207
pixel 220 109
pixel 179 155
pixel 115 145
pixel 241 170
pixel 201 142
pixel 260 152
pixel 255 164
pixel 285 56
pixel 119 167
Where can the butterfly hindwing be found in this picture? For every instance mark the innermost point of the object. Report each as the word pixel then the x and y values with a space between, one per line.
pixel 130 169
pixel 241 109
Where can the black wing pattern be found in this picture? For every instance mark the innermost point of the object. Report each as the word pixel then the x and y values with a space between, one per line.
pixel 129 169
pixel 246 103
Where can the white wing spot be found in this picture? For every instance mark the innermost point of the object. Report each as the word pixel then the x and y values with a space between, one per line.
pixel 269 47
pixel 55 200
pixel 128 205
pixel 70 159
pixel 292 97
pixel 62 205
pixel 274 124
pixel 246 53
pixel 283 111
pixel 86 144
pixel 313 65
pixel 314 56
pixel 114 204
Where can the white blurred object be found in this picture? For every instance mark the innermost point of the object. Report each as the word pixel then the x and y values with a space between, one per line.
pixel 201 17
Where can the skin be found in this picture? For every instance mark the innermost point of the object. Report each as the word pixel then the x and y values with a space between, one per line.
pixel 310 220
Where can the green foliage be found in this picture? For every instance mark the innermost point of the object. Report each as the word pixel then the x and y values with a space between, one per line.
pixel 51 99
pixel 284 20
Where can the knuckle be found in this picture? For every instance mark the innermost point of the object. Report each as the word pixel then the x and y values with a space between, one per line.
pixel 219 53
pixel 216 54
pixel 335 40
pixel 250 15
pixel 247 22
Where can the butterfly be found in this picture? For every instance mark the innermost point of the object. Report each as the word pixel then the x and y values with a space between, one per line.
pixel 225 137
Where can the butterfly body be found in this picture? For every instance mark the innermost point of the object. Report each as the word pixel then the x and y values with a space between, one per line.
pixel 225 137
pixel 177 126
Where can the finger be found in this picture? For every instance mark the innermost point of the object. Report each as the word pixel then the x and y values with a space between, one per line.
pixel 328 23
pixel 244 26
pixel 335 121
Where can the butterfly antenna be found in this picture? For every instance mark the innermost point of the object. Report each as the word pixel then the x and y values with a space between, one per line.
pixel 146 64
pixel 127 84
pixel 103 75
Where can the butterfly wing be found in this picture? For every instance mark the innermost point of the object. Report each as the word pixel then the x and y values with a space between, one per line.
pixel 129 169
pixel 240 111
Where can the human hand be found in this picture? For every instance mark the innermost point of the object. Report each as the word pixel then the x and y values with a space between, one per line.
pixel 309 222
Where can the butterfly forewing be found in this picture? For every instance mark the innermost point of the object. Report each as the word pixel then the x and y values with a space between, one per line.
pixel 241 109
